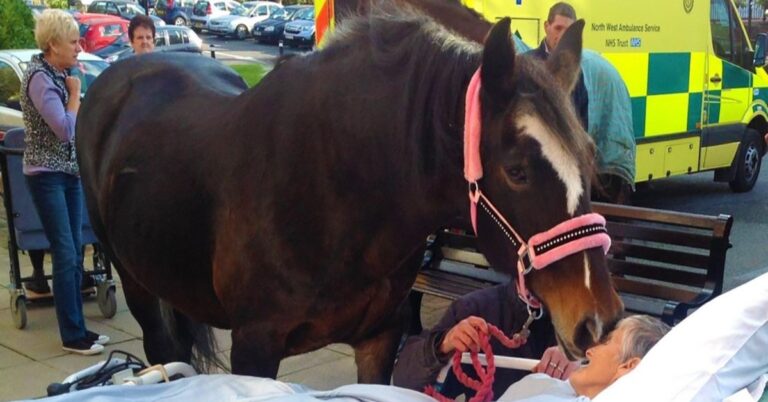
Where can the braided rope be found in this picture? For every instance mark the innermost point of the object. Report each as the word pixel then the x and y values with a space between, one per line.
pixel 484 386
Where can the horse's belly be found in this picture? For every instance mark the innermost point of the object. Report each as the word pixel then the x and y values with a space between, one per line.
pixel 159 227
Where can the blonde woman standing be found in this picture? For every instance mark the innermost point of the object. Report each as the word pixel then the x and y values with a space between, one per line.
pixel 50 99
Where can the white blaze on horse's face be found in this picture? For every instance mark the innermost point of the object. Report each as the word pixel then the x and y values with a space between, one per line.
pixel 587 272
pixel 561 160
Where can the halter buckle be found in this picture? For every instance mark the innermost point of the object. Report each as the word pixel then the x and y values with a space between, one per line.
pixel 521 255
pixel 474 192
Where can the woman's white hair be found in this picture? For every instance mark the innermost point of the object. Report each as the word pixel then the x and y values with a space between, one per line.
pixel 641 332
pixel 54 26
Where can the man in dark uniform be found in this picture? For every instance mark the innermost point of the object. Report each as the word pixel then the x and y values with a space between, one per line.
pixel 560 17
pixel 610 186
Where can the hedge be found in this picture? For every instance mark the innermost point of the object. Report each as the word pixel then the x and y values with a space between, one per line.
pixel 16 25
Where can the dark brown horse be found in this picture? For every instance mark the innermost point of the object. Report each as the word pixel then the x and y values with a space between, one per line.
pixel 295 212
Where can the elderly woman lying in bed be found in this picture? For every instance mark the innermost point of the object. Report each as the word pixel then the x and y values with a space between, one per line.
pixel 720 350
pixel 619 353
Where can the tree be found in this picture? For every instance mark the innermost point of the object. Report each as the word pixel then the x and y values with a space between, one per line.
pixel 16 25
pixel 58 3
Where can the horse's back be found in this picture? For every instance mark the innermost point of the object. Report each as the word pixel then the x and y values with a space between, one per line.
pixel 144 133
pixel 148 90
pixel 155 80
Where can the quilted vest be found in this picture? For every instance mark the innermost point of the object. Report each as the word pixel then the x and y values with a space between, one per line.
pixel 43 147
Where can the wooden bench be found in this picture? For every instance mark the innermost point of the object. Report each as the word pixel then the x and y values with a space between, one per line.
pixel 663 263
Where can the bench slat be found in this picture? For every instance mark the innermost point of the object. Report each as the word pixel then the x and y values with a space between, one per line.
pixel 460 268
pixel 654 290
pixel 663 274
pixel 457 240
pixel 659 235
pixel 648 252
pixel 643 305
pixel 465 256
pixel 716 224
pixel 446 285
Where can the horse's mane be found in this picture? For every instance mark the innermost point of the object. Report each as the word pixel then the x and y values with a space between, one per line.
pixel 433 64
pixel 404 42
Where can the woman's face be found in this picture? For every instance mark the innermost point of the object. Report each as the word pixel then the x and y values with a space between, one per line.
pixel 604 366
pixel 64 52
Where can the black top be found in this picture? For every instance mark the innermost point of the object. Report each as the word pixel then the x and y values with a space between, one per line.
pixel 579 95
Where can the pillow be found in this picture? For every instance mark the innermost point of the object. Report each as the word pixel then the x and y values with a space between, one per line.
pixel 714 353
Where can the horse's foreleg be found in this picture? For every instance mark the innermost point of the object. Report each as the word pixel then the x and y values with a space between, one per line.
pixel 160 346
pixel 375 356
pixel 256 350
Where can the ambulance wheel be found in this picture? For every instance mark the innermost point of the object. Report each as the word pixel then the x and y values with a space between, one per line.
pixel 748 163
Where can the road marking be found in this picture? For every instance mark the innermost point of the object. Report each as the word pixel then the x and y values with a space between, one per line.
pixel 236 57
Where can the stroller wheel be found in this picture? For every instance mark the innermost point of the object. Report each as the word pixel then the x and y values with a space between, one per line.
pixel 107 301
pixel 19 311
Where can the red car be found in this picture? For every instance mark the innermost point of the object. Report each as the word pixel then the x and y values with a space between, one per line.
pixel 99 30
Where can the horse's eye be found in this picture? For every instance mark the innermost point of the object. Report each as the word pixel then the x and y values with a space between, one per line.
pixel 517 174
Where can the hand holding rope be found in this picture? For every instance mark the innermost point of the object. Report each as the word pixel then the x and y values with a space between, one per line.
pixel 484 386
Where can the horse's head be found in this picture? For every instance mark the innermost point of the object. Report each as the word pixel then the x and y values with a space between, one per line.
pixel 533 200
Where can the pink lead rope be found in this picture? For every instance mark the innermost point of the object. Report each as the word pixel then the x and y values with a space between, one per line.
pixel 484 386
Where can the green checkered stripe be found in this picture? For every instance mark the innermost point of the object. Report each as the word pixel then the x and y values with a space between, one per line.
pixel 670 73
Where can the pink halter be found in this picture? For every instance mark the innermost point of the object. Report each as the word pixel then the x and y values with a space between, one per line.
pixel 567 238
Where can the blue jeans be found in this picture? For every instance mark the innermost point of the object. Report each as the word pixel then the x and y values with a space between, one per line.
pixel 58 198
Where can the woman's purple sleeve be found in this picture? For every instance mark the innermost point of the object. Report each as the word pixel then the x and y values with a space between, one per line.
pixel 47 99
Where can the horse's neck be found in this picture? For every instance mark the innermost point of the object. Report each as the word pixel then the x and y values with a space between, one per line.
pixel 455 16
pixel 443 159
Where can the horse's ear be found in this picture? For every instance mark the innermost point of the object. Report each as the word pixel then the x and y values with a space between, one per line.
pixel 498 62
pixel 564 62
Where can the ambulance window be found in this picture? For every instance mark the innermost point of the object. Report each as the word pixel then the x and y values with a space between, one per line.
pixel 727 36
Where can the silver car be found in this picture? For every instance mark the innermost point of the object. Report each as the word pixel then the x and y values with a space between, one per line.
pixel 240 22
pixel 169 38
pixel 204 10
pixel 301 31
pixel 13 63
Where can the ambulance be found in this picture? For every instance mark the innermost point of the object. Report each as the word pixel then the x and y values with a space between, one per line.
pixel 699 91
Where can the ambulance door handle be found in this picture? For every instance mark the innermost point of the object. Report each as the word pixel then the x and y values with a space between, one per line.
pixel 716 79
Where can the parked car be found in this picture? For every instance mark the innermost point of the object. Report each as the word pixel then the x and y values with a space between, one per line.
pixel 271 29
pixel 150 4
pixel 204 10
pixel 174 12
pixel 36 10
pixel 301 31
pixel 169 38
pixel 240 22
pixel 121 8
pixel 99 30
pixel 12 66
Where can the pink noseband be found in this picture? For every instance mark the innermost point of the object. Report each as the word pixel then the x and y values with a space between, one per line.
pixel 570 237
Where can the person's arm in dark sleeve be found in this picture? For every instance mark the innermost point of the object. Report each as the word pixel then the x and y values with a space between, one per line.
pixel 420 361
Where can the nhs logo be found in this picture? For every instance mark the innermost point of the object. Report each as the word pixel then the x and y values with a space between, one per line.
pixel 635 42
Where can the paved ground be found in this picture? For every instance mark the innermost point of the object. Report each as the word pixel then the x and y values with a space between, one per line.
pixel 32 358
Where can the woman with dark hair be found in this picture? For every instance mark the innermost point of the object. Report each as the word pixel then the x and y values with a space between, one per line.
pixel 141 33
